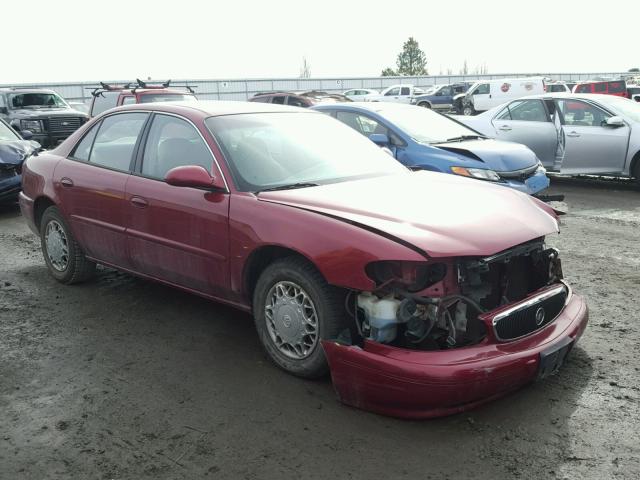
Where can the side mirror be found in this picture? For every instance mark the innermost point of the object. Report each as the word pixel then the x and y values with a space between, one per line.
pixel 193 176
pixel 615 122
pixel 379 139
pixel 4 110
pixel 26 134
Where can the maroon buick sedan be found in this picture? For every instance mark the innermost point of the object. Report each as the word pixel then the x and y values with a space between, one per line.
pixel 422 293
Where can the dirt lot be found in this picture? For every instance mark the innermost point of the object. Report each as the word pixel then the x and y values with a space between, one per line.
pixel 121 378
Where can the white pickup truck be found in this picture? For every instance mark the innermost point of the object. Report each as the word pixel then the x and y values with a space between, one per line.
pixel 396 93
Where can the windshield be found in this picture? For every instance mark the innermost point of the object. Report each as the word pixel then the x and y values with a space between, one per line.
pixel 7 134
pixel 266 150
pixel 36 100
pixel 167 97
pixel 628 108
pixel 424 125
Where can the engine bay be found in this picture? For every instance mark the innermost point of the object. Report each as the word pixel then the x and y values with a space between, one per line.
pixel 436 306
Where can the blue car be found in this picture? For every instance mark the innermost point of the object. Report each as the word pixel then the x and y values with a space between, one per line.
pixel 423 139
pixel 13 151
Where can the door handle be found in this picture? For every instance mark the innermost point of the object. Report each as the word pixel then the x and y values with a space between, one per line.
pixel 66 182
pixel 504 128
pixel 139 202
pixel 573 134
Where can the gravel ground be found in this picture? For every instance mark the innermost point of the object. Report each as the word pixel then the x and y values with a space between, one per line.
pixel 120 378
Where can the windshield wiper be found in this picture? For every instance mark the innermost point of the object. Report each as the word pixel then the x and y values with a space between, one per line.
pixel 462 138
pixel 289 186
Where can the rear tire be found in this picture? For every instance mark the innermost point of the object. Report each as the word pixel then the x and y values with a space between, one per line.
pixel 64 257
pixel 294 308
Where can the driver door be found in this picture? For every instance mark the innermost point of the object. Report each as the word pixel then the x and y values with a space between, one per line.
pixel 590 145
pixel 482 98
pixel 443 98
pixel 177 234
pixel 392 95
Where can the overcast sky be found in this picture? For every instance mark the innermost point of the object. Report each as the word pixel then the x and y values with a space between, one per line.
pixel 66 40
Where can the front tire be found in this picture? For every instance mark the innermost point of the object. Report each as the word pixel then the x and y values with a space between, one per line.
pixel 636 173
pixel 468 110
pixel 294 308
pixel 64 257
pixel 425 105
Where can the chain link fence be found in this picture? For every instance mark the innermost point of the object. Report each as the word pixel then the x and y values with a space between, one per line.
pixel 241 89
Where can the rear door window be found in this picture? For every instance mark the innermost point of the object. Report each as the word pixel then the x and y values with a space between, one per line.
pixel 278 99
pixel 295 101
pixel 525 110
pixel 600 87
pixel 405 91
pixel 116 140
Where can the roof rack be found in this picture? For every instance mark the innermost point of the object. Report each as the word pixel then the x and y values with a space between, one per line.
pixel 138 84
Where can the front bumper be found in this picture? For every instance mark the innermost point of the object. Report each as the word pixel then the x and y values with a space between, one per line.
pixel 532 185
pixel 50 140
pixel 418 384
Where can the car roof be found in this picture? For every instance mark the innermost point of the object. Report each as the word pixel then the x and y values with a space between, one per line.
pixel 581 96
pixel 377 107
pixel 211 108
pixel 26 90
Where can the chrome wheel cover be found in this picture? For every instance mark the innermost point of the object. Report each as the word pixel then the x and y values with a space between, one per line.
pixel 57 246
pixel 292 320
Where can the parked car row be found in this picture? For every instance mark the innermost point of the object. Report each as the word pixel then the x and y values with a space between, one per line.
pixel 570 133
pixel 423 294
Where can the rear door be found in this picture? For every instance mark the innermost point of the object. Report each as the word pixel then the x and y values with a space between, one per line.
pixel 405 95
pixel 590 146
pixel 529 123
pixel 177 234
pixel 91 184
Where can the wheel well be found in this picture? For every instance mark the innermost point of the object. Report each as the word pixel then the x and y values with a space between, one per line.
pixel 260 259
pixel 424 102
pixel 39 206
pixel 634 163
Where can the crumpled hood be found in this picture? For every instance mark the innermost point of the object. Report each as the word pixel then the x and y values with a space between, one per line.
pixel 16 151
pixel 440 214
pixel 496 154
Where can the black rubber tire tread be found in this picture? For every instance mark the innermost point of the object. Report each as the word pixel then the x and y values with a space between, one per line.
pixel 79 268
pixel 328 300
pixel 425 105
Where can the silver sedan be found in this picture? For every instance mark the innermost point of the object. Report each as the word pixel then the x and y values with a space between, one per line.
pixel 570 133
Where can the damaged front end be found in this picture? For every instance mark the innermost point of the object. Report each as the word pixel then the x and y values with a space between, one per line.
pixel 12 156
pixel 443 335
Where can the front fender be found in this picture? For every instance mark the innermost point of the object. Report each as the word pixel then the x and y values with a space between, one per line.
pixel 340 250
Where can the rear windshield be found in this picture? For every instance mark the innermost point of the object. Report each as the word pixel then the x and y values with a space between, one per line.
pixel 167 97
